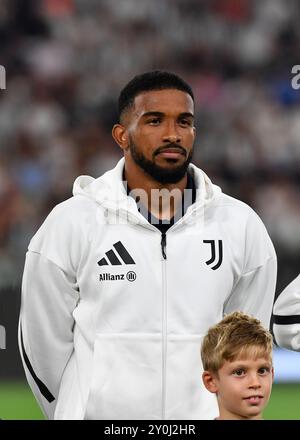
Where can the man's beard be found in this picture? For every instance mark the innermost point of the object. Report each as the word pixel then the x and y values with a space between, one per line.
pixel 157 172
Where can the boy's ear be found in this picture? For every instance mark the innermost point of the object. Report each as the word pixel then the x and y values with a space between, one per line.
pixel 272 374
pixel 210 382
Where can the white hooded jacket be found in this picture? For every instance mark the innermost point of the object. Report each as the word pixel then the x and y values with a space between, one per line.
pixel 109 328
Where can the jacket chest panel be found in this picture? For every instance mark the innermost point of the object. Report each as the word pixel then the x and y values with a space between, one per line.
pixel 199 273
pixel 128 286
pixel 121 281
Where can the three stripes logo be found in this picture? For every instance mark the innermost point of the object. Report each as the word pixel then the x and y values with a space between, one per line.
pixel 216 257
pixel 117 256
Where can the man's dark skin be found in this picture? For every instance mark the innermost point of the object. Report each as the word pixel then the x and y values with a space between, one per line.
pixel 157 119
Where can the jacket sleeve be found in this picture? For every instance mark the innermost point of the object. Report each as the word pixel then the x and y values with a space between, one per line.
pixel 287 317
pixel 254 290
pixel 49 297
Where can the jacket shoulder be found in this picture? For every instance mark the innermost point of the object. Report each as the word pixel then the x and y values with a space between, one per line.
pixel 74 205
pixel 225 200
pixel 242 225
pixel 63 233
pixel 228 208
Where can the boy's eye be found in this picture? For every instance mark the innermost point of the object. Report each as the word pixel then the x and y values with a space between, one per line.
pixel 264 370
pixel 238 372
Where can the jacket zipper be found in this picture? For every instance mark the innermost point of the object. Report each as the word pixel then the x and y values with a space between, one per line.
pixel 164 323
pixel 163 244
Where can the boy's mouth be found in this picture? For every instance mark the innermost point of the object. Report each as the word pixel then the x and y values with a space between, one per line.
pixel 255 399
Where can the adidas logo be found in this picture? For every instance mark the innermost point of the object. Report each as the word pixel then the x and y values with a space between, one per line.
pixel 117 256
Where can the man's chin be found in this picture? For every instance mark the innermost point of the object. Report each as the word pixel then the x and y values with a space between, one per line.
pixel 170 163
pixel 167 174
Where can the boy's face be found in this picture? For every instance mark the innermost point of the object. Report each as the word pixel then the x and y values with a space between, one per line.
pixel 243 387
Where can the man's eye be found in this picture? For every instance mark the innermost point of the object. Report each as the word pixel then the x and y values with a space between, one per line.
pixel 185 122
pixel 239 372
pixel 154 121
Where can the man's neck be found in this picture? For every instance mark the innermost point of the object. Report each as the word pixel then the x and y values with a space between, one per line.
pixel 162 200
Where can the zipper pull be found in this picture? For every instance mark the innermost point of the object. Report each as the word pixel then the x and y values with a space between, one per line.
pixel 163 244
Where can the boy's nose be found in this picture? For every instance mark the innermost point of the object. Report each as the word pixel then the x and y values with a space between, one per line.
pixel 254 382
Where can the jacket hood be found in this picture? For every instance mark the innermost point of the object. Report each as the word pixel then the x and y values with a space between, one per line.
pixel 110 191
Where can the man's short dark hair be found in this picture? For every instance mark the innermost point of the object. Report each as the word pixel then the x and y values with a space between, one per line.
pixel 156 80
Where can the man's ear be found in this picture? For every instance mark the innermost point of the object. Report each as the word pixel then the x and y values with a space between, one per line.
pixel 120 135
pixel 210 381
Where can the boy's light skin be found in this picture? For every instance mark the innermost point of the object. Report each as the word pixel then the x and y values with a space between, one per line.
pixel 242 386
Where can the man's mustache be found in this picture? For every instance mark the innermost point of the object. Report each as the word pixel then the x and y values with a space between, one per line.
pixel 168 146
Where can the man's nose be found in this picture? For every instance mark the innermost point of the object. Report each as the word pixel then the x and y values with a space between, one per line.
pixel 171 134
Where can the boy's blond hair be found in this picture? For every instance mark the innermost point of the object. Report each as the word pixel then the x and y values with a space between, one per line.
pixel 234 337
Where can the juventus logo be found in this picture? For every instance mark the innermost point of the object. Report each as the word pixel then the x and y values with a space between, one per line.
pixel 213 258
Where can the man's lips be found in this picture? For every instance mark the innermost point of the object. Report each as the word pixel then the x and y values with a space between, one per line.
pixel 172 152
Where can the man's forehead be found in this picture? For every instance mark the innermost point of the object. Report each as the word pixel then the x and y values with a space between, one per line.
pixel 163 101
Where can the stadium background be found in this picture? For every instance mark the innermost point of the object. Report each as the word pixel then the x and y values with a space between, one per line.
pixel 66 61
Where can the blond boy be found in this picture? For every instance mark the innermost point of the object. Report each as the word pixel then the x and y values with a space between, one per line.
pixel 237 360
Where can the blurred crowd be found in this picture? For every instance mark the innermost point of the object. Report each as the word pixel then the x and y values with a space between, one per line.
pixel 66 61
